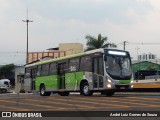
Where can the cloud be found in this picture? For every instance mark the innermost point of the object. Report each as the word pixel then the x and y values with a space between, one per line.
pixel 58 21
pixel 85 10
pixel 155 4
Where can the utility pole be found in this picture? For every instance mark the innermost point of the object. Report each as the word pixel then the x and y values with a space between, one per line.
pixel 27 21
pixel 124 45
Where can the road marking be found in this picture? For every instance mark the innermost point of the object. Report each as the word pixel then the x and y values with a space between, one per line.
pixel 122 100
pixel 78 103
pixel 14 108
pixel 130 101
pixel 66 104
pixel 20 102
pixel 151 99
pixel 91 103
pixel 99 99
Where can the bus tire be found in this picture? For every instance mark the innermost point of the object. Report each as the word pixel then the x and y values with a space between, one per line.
pixel 43 91
pixel 63 93
pixel 3 90
pixel 48 93
pixel 85 89
pixel 109 93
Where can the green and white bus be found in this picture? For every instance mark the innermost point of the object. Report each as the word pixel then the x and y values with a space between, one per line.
pixel 100 70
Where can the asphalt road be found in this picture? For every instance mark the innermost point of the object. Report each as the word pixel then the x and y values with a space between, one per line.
pixel 74 105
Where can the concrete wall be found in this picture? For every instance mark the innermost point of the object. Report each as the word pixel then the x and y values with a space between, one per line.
pixel 71 48
pixel 34 56
pixel 19 72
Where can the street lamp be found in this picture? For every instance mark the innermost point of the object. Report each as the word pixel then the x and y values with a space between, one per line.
pixel 27 21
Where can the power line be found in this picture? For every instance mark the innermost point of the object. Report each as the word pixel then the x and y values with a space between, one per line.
pixel 132 43
pixel 142 43
pixel 5 52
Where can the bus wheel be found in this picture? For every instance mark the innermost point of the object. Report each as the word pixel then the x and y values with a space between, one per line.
pixel 109 93
pixel 85 90
pixel 63 93
pixel 43 91
pixel 4 90
pixel 48 93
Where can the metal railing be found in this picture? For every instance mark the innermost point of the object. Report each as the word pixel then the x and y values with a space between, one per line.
pixel 152 77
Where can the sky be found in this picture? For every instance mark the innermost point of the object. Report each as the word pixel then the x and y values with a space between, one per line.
pixel 67 21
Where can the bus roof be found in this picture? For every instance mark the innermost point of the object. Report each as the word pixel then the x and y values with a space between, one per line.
pixel 101 50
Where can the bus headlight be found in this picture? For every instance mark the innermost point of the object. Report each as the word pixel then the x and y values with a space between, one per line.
pixel 109 85
pixel 131 86
pixel 109 80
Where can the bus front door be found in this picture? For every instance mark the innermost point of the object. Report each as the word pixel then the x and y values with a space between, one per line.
pixel 98 72
pixel 33 77
pixel 61 73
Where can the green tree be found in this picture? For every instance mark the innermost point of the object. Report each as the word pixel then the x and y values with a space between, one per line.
pixel 100 42
pixel 6 70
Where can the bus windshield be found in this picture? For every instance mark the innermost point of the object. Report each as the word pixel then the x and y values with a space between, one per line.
pixel 118 67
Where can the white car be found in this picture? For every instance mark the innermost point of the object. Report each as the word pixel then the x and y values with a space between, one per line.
pixel 5 85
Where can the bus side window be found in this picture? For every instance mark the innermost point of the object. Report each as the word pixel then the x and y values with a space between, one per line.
pixel 85 64
pixel 66 66
pixel 39 70
pixel 45 69
pixel 33 73
pixel 53 68
pixel 74 64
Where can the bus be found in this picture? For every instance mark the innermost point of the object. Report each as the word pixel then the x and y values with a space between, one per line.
pixel 100 70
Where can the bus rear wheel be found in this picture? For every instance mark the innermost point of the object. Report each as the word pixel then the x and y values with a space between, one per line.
pixel 85 90
pixel 63 93
pixel 43 91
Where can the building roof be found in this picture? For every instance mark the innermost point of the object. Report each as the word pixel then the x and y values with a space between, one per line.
pixel 156 61
pixel 145 65
pixel 56 48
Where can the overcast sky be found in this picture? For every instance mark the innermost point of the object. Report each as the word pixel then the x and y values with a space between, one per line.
pixel 58 21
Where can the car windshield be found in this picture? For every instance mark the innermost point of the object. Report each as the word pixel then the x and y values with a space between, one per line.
pixel 118 67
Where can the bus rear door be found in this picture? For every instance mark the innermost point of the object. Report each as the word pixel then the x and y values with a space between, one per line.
pixel 61 73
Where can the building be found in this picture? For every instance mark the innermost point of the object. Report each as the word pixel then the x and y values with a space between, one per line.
pixel 71 48
pixel 144 57
pixel 63 50
pixel 19 76
pixel 144 69
pixel 34 56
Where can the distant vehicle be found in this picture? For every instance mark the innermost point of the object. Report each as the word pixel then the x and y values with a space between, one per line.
pixel 5 85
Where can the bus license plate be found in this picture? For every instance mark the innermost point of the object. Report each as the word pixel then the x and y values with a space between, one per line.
pixel 122 88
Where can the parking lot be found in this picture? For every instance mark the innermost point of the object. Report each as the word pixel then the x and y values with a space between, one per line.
pixel 75 102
